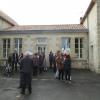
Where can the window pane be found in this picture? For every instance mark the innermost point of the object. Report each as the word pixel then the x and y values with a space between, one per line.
pixel 76 40
pixel 4 43
pixel 16 45
pixel 76 50
pixel 4 52
pixel 76 45
pixel 81 45
pixel 81 55
pixel 80 50
pixel 81 40
pixel 8 43
pixel 20 45
pixel 8 52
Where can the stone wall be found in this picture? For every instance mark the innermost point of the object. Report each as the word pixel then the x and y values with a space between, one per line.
pixel 80 64
pixel 4 24
pixel 53 43
pixel 98 33
pixel 91 22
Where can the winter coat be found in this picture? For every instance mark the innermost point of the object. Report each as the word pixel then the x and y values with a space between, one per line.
pixel 26 65
pixel 59 63
pixel 15 57
pixel 67 64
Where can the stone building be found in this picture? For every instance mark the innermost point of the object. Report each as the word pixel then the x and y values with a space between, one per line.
pixel 91 21
pixel 82 39
pixel 46 38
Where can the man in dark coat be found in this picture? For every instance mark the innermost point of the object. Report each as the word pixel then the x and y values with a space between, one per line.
pixel 14 60
pixel 26 66
pixel 51 59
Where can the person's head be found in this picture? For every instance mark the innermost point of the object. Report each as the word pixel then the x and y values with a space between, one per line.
pixel 27 54
pixel 15 50
pixel 50 52
pixel 58 52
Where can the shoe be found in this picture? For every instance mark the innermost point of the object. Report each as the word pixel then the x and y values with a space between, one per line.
pixel 23 93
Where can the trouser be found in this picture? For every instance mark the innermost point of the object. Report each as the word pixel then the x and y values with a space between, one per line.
pixel 26 80
pixel 67 74
pixel 20 81
pixel 35 70
pixel 14 66
pixel 54 67
pixel 51 64
pixel 40 69
pixel 61 73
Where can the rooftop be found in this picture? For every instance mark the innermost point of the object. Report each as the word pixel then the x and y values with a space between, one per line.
pixel 65 28
pixel 47 27
pixel 7 18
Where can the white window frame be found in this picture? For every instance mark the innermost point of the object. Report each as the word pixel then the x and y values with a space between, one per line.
pixel 79 48
pixel 6 47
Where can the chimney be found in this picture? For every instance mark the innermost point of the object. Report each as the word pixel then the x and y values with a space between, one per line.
pixel 81 18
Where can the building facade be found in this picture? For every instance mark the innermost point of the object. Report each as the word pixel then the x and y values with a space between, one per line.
pixel 46 38
pixel 91 20
pixel 82 39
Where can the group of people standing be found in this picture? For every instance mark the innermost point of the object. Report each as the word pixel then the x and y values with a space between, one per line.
pixel 14 62
pixel 30 64
pixel 61 63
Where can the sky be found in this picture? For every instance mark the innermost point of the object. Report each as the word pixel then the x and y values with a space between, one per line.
pixel 45 12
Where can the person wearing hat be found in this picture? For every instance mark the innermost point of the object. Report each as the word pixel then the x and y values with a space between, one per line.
pixel 26 68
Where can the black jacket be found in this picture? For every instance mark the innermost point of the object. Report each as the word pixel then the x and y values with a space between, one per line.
pixel 15 57
pixel 26 65
pixel 67 64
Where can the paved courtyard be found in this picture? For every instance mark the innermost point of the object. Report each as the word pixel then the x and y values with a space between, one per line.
pixel 85 86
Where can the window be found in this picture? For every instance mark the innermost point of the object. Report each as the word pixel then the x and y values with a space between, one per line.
pixel 79 47
pixel 65 43
pixel 41 49
pixel 41 44
pixel 18 44
pixel 6 47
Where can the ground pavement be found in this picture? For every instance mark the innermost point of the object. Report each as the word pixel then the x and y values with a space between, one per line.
pixel 85 86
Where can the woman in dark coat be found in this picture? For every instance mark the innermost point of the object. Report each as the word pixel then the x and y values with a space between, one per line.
pixel 67 67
